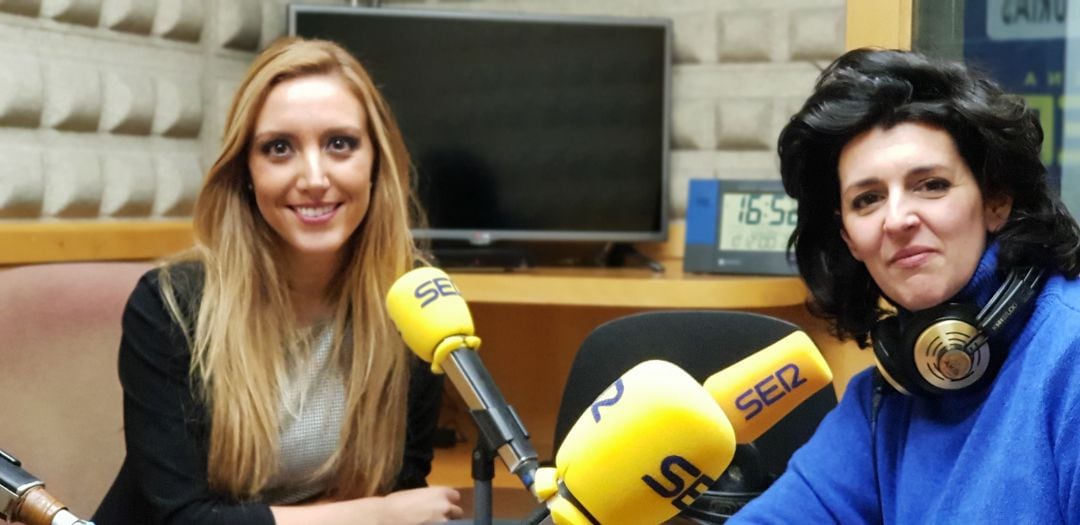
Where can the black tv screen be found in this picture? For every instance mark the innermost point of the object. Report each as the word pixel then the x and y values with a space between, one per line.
pixel 521 127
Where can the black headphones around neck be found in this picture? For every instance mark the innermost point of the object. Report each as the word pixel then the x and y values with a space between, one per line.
pixel 946 348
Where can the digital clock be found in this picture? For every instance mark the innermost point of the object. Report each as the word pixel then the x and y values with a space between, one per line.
pixel 739 226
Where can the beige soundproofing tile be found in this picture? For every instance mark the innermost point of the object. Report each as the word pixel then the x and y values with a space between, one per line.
pixel 72 96
pixel 178 178
pixel 21 181
pixel 82 12
pixel 745 36
pixel 130 184
pixel 72 183
pixel 179 111
pixel 179 20
pixel 21 97
pixel 128 102
pixel 239 24
pixel 130 16
pixel 21 7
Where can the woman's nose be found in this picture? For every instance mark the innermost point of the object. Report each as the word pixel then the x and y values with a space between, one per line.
pixel 314 175
pixel 900 217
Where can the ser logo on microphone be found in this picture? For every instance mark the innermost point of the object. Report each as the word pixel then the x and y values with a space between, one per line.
pixel 607 402
pixel 769 390
pixel 680 494
pixel 433 289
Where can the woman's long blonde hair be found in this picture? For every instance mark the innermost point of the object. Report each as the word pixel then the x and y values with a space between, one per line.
pixel 244 325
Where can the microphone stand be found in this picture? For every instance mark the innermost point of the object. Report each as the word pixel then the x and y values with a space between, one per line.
pixel 483 471
pixel 500 431
pixel 540 516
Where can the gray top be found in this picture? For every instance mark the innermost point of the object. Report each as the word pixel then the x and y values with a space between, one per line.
pixel 313 405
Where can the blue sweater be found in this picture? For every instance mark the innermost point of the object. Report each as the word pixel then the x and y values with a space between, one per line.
pixel 1008 453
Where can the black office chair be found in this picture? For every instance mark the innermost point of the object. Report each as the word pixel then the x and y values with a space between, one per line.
pixel 702 343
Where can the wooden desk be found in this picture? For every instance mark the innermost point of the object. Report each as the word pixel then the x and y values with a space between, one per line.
pixel 629 288
pixel 533 321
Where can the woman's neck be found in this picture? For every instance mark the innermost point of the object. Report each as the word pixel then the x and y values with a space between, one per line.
pixel 309 281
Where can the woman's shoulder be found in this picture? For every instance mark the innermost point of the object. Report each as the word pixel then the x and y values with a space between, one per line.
pixel 185 278
pixel 859 394
pixel 184 274
pixel 1062 295
pixel 1056 312
pixel 153 337
pixel 150 305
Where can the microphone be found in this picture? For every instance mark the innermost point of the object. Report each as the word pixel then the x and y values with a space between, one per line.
pixel 436 325
pixel 648 446
pixel 670 438
pixel 23 498
pixel 759 390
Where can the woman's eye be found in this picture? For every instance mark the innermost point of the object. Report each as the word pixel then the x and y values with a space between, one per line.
pixel 935 185
pixel 276 148
pixel 342 144
pixel 862 201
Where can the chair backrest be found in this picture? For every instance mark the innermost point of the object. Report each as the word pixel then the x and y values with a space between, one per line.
pixel 62 404
pixel 700 342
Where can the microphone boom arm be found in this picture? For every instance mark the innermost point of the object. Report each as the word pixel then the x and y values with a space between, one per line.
pixel 499 425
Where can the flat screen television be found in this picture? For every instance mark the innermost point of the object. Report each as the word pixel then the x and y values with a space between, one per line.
pixel 521 127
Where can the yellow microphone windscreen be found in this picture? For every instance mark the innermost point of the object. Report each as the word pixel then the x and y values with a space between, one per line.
pixel 646 447
pixel 759 390
pixel 427 308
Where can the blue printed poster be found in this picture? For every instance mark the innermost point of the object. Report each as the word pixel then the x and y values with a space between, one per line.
pixel 1025 45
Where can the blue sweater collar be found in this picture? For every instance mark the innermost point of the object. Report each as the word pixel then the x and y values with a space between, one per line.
pixel 984 282
pixel 982 286
pixel 978 291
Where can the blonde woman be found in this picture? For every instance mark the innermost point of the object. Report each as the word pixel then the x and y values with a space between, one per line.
pixel 263 381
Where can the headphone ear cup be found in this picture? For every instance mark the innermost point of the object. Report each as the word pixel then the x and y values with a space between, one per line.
pixel 949 324
pixel 921 357
pixel 890 350
pixel 901 351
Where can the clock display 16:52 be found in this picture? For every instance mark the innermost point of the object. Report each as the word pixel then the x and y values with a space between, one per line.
pixel 756 221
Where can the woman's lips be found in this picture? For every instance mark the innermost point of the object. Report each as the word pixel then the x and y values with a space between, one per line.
pixel 315 214
pixel 911 258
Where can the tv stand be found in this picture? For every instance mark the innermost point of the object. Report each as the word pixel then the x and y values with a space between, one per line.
pixel 622 255
pixel 481 258
pixel 520 255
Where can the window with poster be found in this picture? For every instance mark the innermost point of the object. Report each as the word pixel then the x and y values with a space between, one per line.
pixel 1032 47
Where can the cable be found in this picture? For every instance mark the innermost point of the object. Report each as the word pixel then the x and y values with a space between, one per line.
pixel 875 407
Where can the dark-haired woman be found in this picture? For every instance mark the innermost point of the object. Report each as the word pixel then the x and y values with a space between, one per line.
pixel 927 230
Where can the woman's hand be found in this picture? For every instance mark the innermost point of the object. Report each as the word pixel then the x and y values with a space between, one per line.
pixel 407 507
pixel 423 505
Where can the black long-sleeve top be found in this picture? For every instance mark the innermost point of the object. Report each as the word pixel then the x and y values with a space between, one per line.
pixel 163 479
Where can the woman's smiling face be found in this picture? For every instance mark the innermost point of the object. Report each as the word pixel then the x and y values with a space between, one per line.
pixel 913 213
pixel 311 161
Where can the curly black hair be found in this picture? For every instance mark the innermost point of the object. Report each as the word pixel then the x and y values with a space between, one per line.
pixel 997 135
